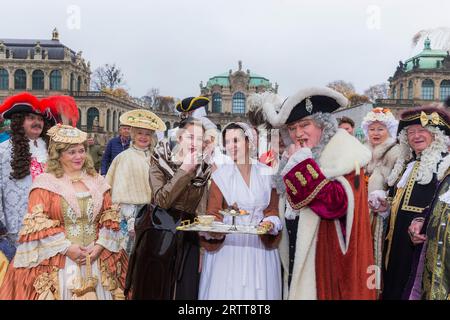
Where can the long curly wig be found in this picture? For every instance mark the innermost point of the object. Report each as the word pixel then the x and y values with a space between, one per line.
pixel 21 156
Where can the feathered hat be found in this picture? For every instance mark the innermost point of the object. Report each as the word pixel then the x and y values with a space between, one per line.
pixel 21 103
pixel 63 109
pixel 258 106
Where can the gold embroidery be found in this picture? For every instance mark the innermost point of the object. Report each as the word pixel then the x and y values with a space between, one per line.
pixel 37 221
pixel 46 285
pixel 111 283
pixel 110 214
pixel 312 172
pixel 79 230
pixel 301 178
pixel 409 190
pixel 309 198
pixel 291 186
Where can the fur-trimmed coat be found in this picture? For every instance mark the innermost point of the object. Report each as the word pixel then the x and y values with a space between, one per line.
pixel 381 164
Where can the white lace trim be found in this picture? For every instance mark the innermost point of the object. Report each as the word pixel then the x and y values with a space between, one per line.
pixel 406 174
pixel 31 254
pixel 39 152
pixel 109 239
pixel 90 210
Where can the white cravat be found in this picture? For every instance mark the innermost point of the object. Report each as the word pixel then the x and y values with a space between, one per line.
pixel 38 150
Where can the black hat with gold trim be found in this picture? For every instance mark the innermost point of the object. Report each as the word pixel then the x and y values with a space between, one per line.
pixel 426 116
pixel 305 103
pixel 191 103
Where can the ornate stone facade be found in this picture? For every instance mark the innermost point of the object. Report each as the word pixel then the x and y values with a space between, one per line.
pixel 228 93
pixel 420 80
pixel 47 67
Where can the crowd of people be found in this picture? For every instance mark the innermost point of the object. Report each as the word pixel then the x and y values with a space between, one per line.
pixel 343 220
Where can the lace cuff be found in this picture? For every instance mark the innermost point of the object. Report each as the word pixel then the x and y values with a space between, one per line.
pixel 109 239
pixel 32 253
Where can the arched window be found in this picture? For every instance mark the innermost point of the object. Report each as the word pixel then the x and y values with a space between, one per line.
pixel 20 80
pixel 428 89
pixel 445 89
pixel 410 89
pixel 79 83
pixel 108 120
pixel 401 91
pixel 115 121
pixel 4 79
pixel 55 80
pixel 238 103
pixel 393 92
pixel 72 82
pixel 79 119
pixel 37 80
pixel 216 102
pixel 92 114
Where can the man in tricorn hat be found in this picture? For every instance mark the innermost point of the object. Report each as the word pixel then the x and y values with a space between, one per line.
pixel 326 247
pixel 423 134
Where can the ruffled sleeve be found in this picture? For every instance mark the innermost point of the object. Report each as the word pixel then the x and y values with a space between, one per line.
pixel 108 225
pixel 41 237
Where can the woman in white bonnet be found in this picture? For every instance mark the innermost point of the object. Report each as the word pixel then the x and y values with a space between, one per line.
pixel 380 128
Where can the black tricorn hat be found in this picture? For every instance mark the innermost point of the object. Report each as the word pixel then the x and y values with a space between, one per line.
pixel 425 116
pixel 305 103
pixel 191 103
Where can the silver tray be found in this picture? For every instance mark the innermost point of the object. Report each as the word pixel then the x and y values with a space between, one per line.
pixel 219 227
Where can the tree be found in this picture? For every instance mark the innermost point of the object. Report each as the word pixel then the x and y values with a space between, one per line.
pixel 346 88
pixel 378 91
pixel 107 77
pixel 356 99
pixel 151 98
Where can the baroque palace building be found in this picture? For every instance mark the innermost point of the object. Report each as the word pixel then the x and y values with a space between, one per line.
pixel 420 80
pixel 48 67
pixel 228 93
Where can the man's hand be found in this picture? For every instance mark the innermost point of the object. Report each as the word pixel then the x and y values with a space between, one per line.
pixel 95 252
pixel 414 232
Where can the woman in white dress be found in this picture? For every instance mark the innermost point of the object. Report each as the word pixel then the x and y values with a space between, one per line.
pixel 242 266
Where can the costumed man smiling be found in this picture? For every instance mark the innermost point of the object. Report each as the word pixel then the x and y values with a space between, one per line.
pixel 423 162
pixel 326 247
pixel 22 157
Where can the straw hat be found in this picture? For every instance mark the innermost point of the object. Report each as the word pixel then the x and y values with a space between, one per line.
pixel 141 118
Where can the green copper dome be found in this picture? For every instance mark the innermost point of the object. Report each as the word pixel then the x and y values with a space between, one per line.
pixel 224 80
pixel 427 59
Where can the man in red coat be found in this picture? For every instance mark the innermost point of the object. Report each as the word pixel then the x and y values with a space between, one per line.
pixel 326 248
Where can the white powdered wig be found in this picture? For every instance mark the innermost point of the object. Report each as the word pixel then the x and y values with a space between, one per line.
pixel 429 159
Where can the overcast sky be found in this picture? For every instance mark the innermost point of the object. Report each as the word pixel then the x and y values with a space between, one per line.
pixel 174 44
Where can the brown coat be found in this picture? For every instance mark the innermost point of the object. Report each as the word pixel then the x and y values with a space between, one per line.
pixel 216 202
pixel 178 192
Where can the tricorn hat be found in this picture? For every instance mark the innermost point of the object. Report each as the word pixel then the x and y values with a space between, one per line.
pixel 22 103
pixel 191 103
pixel 305 103
pixel 426 116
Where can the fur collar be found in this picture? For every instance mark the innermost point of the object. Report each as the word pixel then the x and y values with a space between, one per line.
pixel 343 154
pixel 378 153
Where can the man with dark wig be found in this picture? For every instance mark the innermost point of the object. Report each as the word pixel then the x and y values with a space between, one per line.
pixel 22 157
